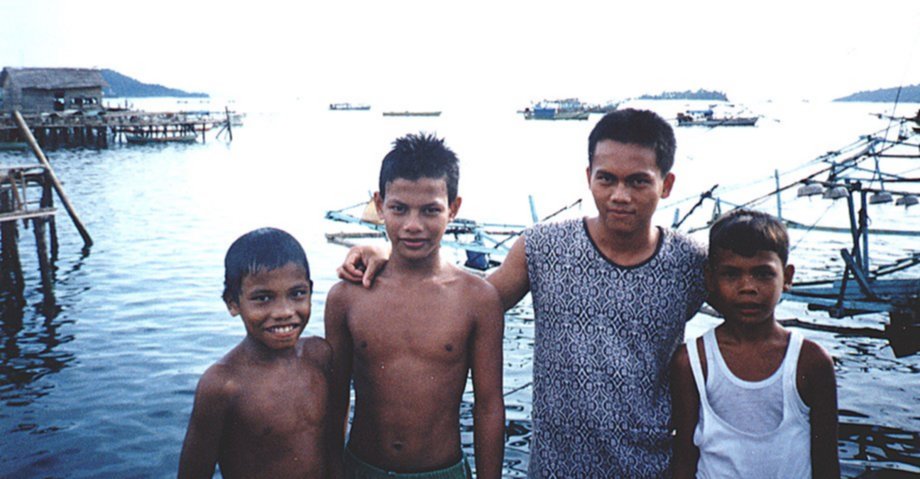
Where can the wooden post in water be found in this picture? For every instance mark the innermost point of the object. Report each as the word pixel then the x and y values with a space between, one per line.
pixel 9 249
pixel 27 134
pixel 229 128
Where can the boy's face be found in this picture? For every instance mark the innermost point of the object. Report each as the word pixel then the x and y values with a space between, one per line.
pixel 626 184
pixel 274 305
pixel 747 289
pixel 416 213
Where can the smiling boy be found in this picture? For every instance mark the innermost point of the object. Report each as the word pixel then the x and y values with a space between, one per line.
pixel 260 411
pixel 411 340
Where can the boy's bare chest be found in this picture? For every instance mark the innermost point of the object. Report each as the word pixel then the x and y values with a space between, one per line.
pixel 282 403
pixel 437 328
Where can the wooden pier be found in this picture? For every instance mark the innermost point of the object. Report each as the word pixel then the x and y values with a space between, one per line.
pixel 25 195
pixel 97 129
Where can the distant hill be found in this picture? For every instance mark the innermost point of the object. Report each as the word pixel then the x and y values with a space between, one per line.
pixel 125 86
pixel 909 94
pixel 687 95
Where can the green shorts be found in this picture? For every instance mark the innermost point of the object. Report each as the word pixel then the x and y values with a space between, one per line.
pixel 355 468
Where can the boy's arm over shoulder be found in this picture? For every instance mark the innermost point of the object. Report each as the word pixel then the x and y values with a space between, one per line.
pixel 511 278
pixel 685 409
pixel 486 364
pixel 817 387
pixel 213 399
pixel 339 338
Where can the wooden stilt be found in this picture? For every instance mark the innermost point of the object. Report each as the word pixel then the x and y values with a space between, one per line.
pixel 87 240
pixel 44 264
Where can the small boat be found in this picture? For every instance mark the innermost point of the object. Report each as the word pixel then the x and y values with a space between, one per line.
pixel 709 118
pixel 566 109
pixel 13 145
pixel 140 139
pixel 412 113
pixel 349 106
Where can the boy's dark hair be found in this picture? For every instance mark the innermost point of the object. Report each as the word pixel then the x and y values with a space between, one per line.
pixel 746 232
pixel 259 250
pixel 636 127
pixel 421 156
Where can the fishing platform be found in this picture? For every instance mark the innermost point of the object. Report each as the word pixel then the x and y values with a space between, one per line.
pixel 854 175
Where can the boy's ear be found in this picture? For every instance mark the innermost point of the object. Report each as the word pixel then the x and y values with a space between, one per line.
pixel 788 274
pixel 668 183
pixel 454 207
pixel 378 202
pixel 233 307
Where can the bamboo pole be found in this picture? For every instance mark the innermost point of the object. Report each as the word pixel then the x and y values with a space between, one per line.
pixel 229 129
pixel 27 134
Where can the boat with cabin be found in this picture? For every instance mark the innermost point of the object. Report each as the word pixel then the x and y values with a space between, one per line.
pixel 564 109
pixel 715 116
pixel 349 106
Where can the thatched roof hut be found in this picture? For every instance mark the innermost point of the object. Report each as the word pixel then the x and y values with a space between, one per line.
pixel 50 89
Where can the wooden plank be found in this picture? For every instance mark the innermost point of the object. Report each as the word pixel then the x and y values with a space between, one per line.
pixel 26 214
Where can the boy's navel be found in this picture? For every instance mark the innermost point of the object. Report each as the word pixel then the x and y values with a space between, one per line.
pixel 449 347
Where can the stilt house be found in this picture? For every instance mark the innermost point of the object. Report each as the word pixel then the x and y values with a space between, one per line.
pixel 39 90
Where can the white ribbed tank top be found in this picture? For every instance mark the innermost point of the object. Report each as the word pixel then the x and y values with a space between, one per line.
pixel 749 439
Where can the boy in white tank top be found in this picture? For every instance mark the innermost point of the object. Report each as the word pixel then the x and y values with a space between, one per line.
pixel 750 398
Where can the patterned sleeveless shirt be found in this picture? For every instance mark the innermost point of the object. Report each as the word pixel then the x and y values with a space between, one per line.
pixel 604 335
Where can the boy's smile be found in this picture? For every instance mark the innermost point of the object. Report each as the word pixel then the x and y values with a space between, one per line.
pixel 416 214
pixel 274 305
pixel 746 289
pixel 626 184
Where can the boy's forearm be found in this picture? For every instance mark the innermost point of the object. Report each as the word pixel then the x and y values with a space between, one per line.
pixel 489 438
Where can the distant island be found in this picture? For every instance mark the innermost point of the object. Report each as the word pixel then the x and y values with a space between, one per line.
pixel 125 86
pixel 687 95
pixel 909 94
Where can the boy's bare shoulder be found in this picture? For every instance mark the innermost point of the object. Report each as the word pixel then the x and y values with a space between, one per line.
pixel 316 350
pixel 814 360
pixel 222 379
pixel 474 285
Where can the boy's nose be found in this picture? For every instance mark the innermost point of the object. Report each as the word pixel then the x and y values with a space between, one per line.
pixel 283 309
pixel 413 223
pixel 619 193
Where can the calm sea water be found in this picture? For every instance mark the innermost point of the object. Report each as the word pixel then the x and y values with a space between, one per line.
pixel 101 384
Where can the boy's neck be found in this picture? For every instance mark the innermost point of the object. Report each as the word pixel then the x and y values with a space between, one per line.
pixel 262 353
pixel 428 266
pixel 619 246
pixel 752 332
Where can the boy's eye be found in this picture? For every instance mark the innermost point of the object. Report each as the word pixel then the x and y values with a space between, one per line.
pixel 299 293
pixel 261 298
pixel 432 210
pixel 641 181
pixel 397 208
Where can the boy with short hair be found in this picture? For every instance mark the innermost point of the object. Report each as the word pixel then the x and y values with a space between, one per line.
pixel 750 398
pixel 410 340
pixel 261 410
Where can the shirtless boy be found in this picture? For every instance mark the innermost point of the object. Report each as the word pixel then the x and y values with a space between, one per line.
pixel 410 340
pixel 261 410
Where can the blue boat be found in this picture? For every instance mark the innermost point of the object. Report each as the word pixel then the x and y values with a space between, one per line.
pixel 566 109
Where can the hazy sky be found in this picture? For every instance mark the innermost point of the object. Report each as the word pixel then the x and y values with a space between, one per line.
pixel 509 51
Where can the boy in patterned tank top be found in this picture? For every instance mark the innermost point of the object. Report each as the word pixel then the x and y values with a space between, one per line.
pixel 750 398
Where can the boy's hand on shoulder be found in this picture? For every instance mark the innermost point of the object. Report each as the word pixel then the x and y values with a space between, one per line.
pixel 362 263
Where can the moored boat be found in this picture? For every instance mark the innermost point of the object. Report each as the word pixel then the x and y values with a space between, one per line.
pixel 710 118
pixel 140 139
pixel 566 109
pixel 349 106
pixel 412 113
